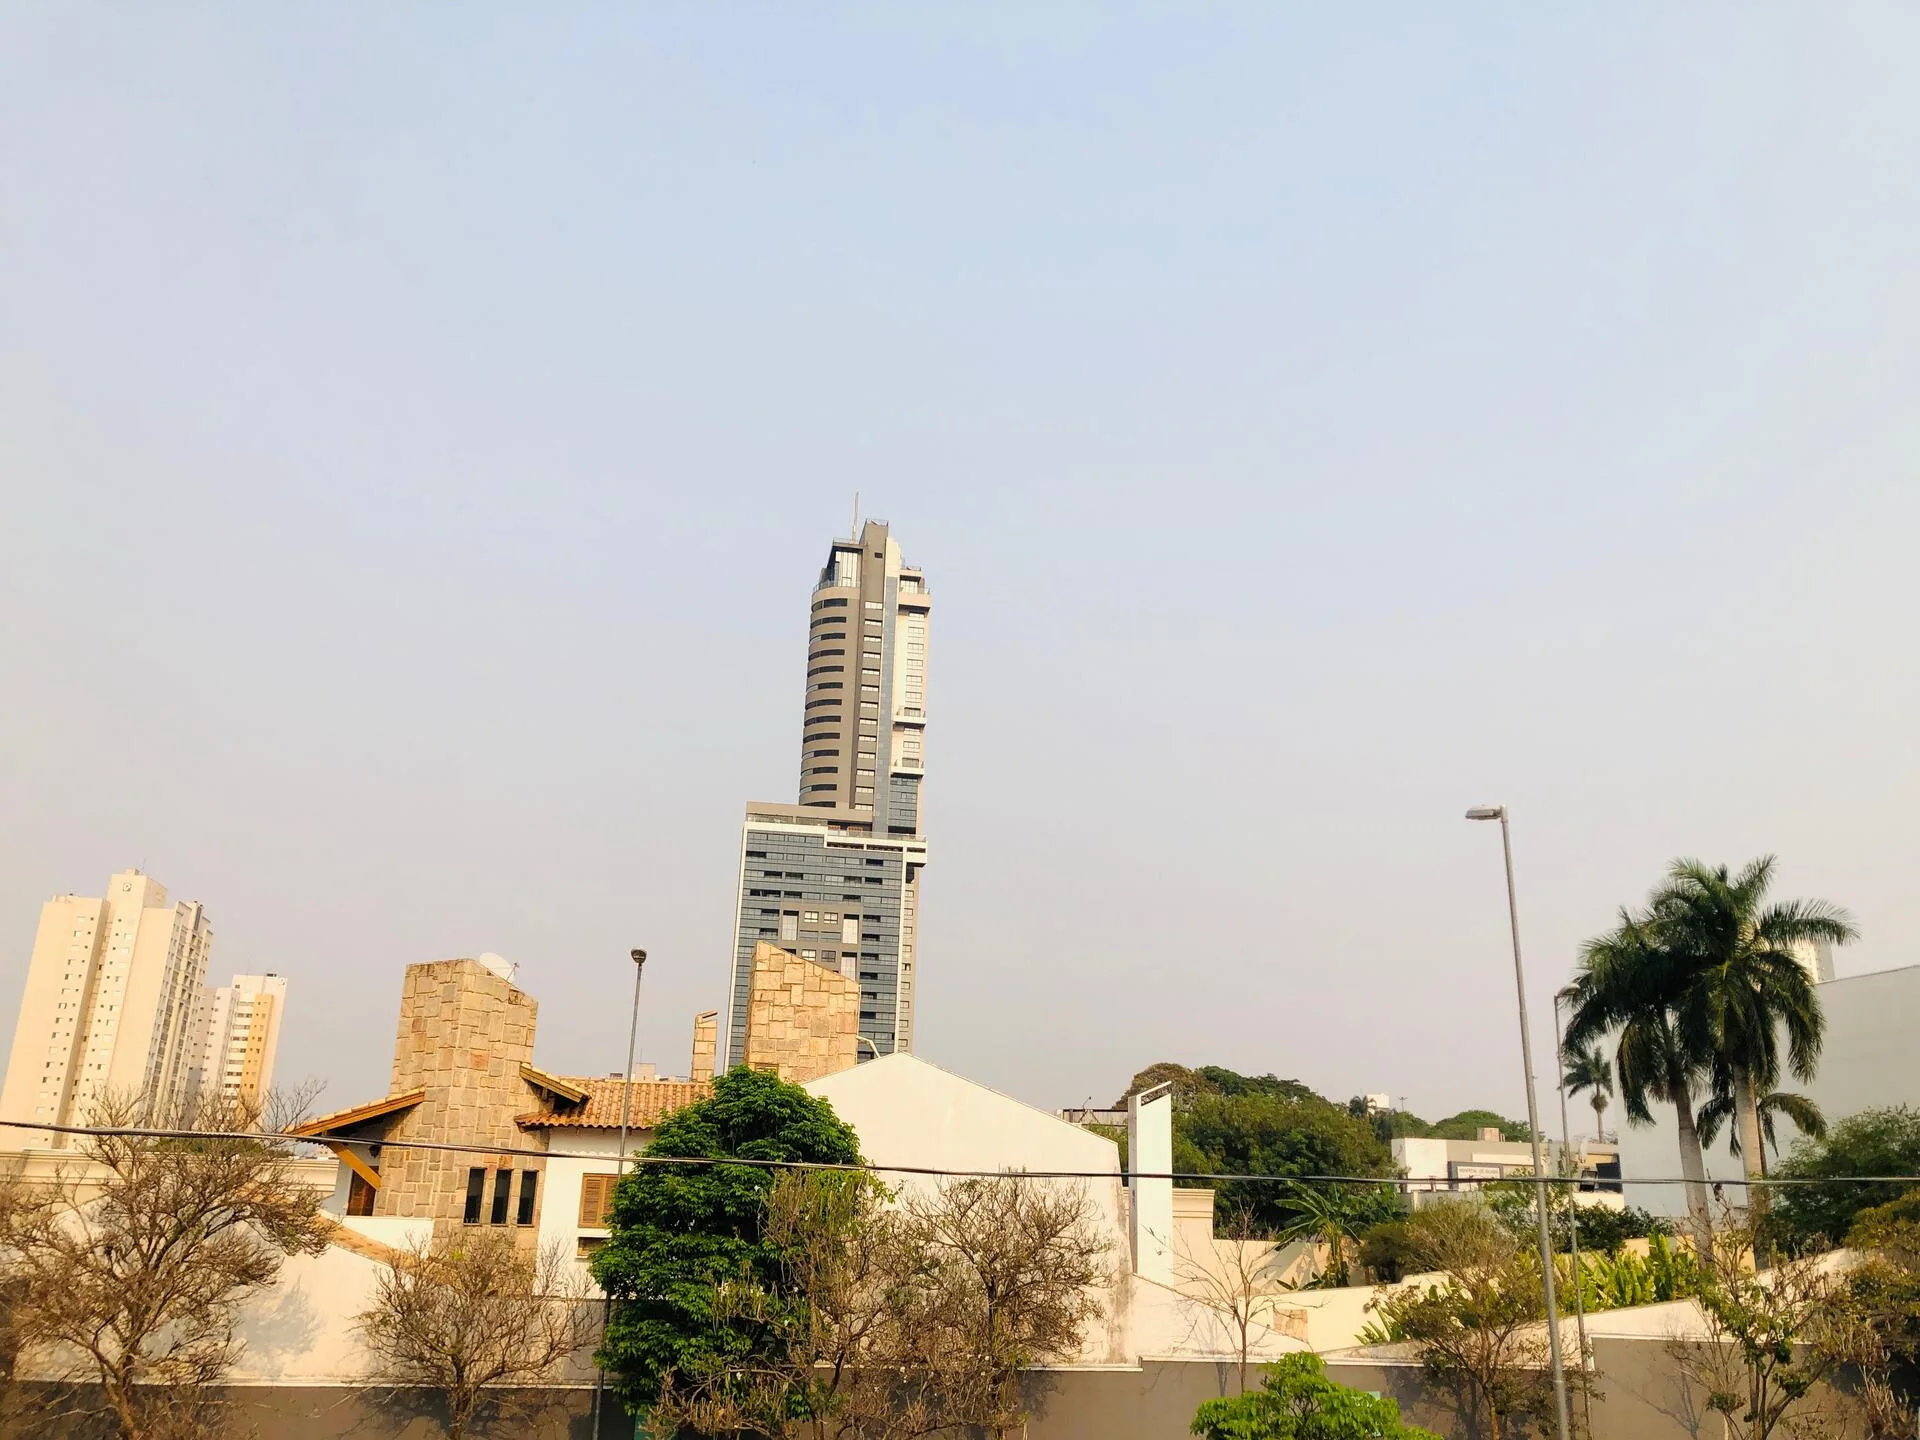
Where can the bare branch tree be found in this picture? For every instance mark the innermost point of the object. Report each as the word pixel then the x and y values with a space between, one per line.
pixel 1236 1279
pixel 478 1321
pixel 131 1269
pixel 1004 1282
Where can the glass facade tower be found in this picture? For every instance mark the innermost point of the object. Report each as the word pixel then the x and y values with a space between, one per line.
pixel 836 876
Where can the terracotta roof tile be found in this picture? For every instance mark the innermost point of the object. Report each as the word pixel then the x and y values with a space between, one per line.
pixel 653 1100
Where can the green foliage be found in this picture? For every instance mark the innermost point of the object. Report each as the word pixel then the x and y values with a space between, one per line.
pixel 1391 1125
pixel 1605 1231
pixel 1296 1401
pixel 1386 1249
pixel 1874 1142
pixel 1615 1282
pixel 1263 1133
pixel 683 1235
pixel 1222 1081
pixel 1467 1124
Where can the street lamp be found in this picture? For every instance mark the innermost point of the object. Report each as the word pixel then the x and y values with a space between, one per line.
pixel 639 958
pixel 1499 812
pixel 1573 1205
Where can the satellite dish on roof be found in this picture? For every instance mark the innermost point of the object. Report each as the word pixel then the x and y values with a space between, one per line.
pixel 498 965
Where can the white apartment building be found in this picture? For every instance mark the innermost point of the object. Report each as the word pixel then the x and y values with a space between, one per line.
pixel 240 1038
pixel 108 1008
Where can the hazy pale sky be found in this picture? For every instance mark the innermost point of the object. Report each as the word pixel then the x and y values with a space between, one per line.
pixel 420 427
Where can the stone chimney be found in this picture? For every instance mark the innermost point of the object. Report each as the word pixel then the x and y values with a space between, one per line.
pixel 803 1020
pixel 706 1042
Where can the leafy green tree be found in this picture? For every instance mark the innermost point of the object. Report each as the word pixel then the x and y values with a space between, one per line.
pixel 1589 1070
pixel 684 1236
pixel 1266 1134
pixel 1296 1401
pixel 1186 1083
pixel 1223 1081
pixel 1468 1124
pixel 1874 1142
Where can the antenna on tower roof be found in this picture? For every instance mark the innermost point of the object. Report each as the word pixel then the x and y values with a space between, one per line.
pixel 854 533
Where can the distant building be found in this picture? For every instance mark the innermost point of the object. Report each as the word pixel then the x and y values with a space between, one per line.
pixel 836 877
pixel 1435 1168
pixel 463 1073
pixel 1377 1104
pixel 240 1039
pixel 1817 958
pixel 108 1007
pixel 1093 1115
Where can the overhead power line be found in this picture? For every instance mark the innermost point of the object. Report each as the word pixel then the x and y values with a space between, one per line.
pixel 1400 1182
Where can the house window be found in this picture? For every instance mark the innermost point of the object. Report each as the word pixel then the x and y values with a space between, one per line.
pixel 502 1196
pixel 359 1194
pixel 596 1201
pixel 476 1189
pixel 529 1188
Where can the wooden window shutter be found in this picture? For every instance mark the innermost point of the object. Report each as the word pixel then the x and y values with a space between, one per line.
pixel 596 1200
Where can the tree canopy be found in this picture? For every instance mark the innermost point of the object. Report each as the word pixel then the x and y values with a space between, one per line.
pixel 681 1233
pixel 1269 1134
pixel 1873 1142
pixel 1296 1401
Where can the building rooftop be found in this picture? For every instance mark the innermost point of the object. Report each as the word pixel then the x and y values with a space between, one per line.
pixel 653 1101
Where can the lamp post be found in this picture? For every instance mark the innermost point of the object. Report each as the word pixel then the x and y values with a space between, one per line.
pixel 1499 812
pixel 639 958
pixel 1573 1200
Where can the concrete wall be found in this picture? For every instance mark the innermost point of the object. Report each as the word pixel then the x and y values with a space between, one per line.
pixel 1639 1396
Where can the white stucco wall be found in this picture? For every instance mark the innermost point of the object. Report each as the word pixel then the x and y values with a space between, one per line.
pixel 560 1206
pixel 907 1111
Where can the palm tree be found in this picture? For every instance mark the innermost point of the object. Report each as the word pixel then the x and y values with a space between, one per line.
pixel 1617 991
pixel 1591 1071
pixel 1805 1115
pixel 1736 984
pixel 1330 1216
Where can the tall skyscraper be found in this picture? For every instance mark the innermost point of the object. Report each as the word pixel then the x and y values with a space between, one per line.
pixel 836 877
pixel 108 1007
pixel 240 1037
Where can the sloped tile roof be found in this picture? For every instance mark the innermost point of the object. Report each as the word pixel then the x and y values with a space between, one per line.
pixel 359 1114
pixel 653 1100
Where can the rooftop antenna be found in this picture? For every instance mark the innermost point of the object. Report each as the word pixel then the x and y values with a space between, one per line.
pixel 854 533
